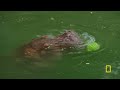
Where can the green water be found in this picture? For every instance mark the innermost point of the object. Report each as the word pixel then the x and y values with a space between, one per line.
pixel 17 28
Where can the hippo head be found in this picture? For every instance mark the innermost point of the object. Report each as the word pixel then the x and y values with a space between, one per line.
pixel 70 38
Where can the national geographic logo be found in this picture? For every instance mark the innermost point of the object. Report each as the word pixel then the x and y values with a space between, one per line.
pixel 108 69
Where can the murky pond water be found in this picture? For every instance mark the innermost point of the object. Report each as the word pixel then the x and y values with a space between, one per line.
pixel 17 28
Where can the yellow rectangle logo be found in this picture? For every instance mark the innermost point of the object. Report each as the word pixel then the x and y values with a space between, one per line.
pixel 108 69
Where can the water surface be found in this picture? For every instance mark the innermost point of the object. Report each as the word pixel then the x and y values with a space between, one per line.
pixel 17 28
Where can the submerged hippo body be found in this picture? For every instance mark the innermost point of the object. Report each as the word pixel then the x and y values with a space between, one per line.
pixel 46 47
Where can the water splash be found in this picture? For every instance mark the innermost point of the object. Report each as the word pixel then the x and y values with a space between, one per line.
pixel 87 38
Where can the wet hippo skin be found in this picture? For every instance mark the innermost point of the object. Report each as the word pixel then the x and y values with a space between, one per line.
pixel 45 46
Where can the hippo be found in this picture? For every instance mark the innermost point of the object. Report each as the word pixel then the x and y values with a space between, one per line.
pixel 45 46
